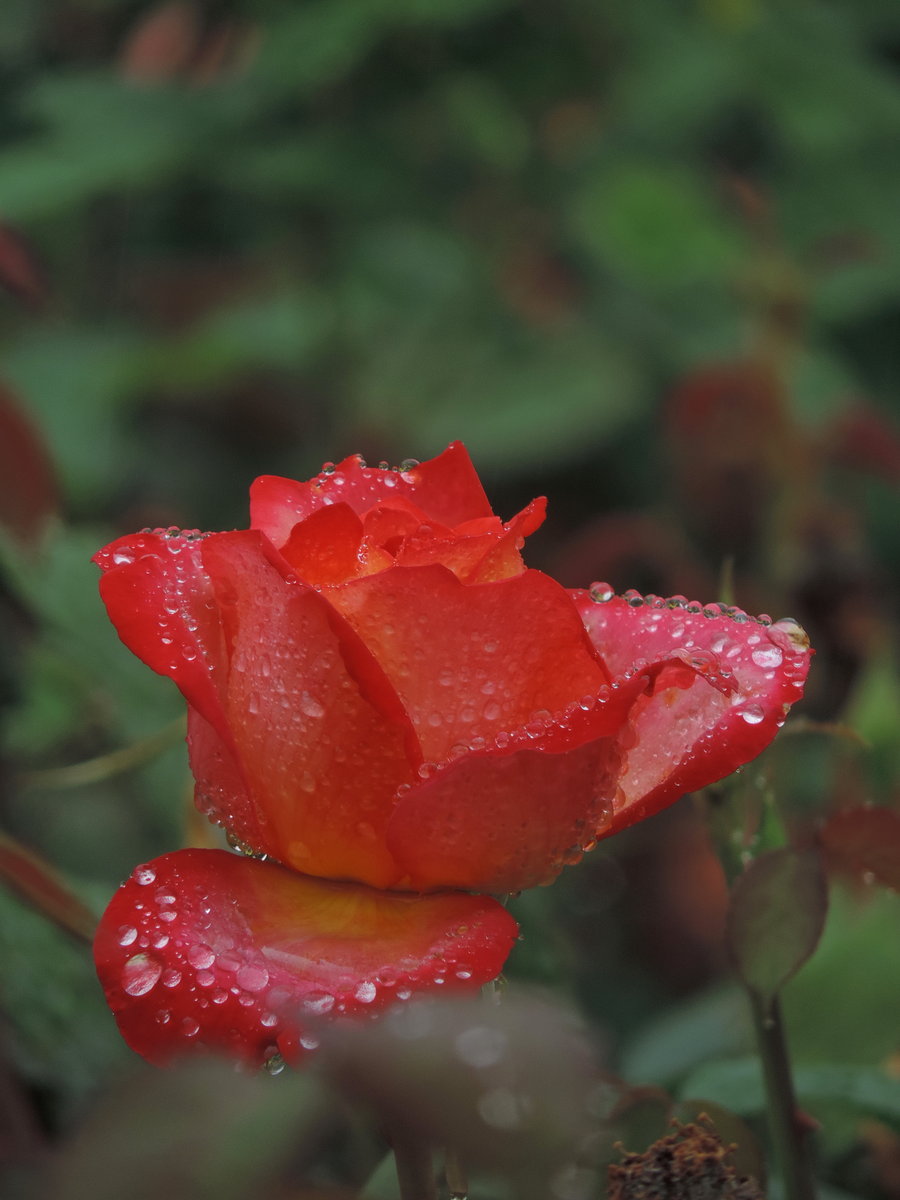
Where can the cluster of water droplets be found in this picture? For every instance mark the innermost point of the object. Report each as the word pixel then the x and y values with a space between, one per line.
pixel 736 666
pixel 195 975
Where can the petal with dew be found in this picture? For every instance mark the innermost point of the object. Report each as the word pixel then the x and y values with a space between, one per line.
pixel 488 668
pixel 446 487
pixel 201 950
pixel 320 735
pixel 741 676
pixel 160 600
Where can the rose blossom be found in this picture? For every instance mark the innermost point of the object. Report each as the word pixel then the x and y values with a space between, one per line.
pixel 383 701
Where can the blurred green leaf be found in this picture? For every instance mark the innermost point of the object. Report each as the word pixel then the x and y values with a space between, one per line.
pixel 738 1085
pixel 659 225
pixel 776 917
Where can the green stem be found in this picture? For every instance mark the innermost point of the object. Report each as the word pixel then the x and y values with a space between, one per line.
pixel 415 1168
pixel 785 1128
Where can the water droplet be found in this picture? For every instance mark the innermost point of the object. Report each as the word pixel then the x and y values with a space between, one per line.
pixel 310 706
pixel 140 974
pixel 252 977
pixel 600 593
pixel 767 656
pixel 143 875
pixel 127 934
pixel 201 957
pixel 319 1002
pixel 753 714
pixel 171 978
pixel 189 1027
pixel 309 1041
pixel 274 1065
pixel 366 992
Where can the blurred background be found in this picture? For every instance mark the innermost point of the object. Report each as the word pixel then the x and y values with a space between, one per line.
pixel 641 258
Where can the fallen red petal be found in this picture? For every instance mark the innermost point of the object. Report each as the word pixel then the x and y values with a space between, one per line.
pixel 201 950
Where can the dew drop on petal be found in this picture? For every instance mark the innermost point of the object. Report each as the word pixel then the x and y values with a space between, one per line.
pixel 171 978
pixel 140 974
pixel 201 957
pixel 143 875
pixel 190 1027
pixel 366 992
pixel 252 978
pixel 319 1002
pixel 127 934
pixel 752 714
pixel 767 656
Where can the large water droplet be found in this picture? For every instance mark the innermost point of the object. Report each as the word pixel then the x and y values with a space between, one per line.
pixel 252 977
pixel 140 974
pixel 366 992
pixel 127 934
pixel 753 714
pixel 201 956
pixel 767 656
pixel 143 875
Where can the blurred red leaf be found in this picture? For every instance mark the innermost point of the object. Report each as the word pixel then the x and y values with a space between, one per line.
pixel 20 272
pixel 776 918
pixel 161 43
pixel 28 488
pixel 865 843
pixel 37 882
pixel 866 441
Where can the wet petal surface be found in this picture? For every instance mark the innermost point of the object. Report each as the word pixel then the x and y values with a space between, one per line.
pixel 446 487
pixel 727 686
pixel 203 950
pixel 472 660
pixel 320 735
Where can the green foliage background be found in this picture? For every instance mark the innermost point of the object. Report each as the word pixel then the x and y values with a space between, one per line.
pixel 249 236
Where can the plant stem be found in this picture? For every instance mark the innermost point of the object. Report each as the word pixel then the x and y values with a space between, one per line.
pixel 786 1131
pixel 415 1169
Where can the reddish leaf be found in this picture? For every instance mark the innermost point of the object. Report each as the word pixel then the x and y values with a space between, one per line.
pixel 865 842
pixel 161 43
pixel 20 272
pixel 28 488
pixel 777 915
pixel 38 883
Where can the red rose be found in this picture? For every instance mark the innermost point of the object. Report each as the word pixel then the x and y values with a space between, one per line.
pixel 381 694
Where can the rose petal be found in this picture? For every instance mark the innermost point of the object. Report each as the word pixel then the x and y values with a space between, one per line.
pixel 476 554
pixel 503 823
pixel 323 748
pixel 741 676
pixel 160 600
pixel 487 669
pixel 446 487
pixel 203 950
